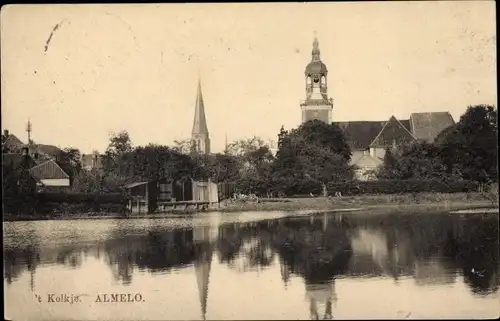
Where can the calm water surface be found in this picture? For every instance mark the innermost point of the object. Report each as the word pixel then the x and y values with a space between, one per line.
pixel 256 266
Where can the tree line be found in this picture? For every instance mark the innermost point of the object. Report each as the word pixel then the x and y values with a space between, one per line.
pixel 308 158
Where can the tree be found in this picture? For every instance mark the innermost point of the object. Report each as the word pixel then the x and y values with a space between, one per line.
pixel 69 159
pixel 184 146
pixel 88 182
pixel 314 152
pixel 253 156
pixel 226 168
pixel 328 136
pixel 470 147
pixel 245 146
pixel 416 160
pixel 158 161
pixel 322 164
pixel 119 146
pixel 119 143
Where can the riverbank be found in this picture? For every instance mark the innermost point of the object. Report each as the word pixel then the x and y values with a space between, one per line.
pixel 366 203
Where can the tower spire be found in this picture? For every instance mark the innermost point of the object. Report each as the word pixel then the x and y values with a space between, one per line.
pixel 29 129
pixel 225 143
pixel 200 122
pixel 315 51
pixel 199 134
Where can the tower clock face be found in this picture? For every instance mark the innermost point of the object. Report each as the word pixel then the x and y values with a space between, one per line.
pixel 316 80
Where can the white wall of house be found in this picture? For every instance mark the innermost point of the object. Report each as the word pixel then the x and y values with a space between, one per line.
pixel 56 182
pixel 377 152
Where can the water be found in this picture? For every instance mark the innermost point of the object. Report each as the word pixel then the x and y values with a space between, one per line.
pixel 256 266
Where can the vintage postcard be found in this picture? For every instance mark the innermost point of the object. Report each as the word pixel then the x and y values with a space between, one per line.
pixel 250 161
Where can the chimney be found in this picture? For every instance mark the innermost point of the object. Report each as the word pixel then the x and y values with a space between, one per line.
pixel 6 132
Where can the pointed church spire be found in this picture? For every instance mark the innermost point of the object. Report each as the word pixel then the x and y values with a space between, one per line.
pixel 225 144
pixel 315 51
pixel 199 134
pixel 200 122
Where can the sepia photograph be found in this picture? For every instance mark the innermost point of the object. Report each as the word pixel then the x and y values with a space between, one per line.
pixel 250 161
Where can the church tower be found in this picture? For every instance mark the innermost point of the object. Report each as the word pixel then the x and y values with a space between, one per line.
pixel 199 136
pixel 317 104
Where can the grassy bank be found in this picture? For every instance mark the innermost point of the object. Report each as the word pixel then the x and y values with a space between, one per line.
pixel 407 203
pixel 454 201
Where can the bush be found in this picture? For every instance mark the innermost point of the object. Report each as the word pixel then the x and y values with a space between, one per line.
pixel 402 186
pixel 278 186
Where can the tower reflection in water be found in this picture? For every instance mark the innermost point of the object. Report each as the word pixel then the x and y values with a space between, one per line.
pixel 431 249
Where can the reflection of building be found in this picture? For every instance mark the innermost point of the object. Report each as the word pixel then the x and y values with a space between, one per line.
pixel 373 244
pixel 285 272
pixel 433 272
pixel 204 238
pixel 321 297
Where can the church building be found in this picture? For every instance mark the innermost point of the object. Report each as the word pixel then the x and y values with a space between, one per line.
pixel 200 139
pixel 368 140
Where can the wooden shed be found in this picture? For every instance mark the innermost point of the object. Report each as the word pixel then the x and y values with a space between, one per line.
pixel 146 196
pixel 142 197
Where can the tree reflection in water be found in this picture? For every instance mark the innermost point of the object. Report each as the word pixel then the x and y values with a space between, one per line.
pixel 432 249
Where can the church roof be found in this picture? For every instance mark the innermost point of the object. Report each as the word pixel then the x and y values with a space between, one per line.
pixel 316 66
pixel 200 122
pixel 360 134
pixel 427 126
pixel 394 132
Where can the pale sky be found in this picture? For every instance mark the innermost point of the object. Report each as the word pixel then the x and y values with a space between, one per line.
pixel 135 67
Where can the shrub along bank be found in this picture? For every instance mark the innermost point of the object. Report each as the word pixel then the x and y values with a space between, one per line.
pixel 290 188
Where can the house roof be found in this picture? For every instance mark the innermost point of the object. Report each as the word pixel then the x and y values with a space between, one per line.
pixel 48 170
pixel 132 185
pixel 48 149
pixel 394 132
pixel 427 126
pixel 368 161
pixel 11 141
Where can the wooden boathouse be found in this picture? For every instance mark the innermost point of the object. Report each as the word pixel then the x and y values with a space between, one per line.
pixel 158 195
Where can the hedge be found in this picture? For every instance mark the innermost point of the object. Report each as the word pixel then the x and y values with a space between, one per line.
pixel 290 187
pixel 402 187
pixel 80 198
